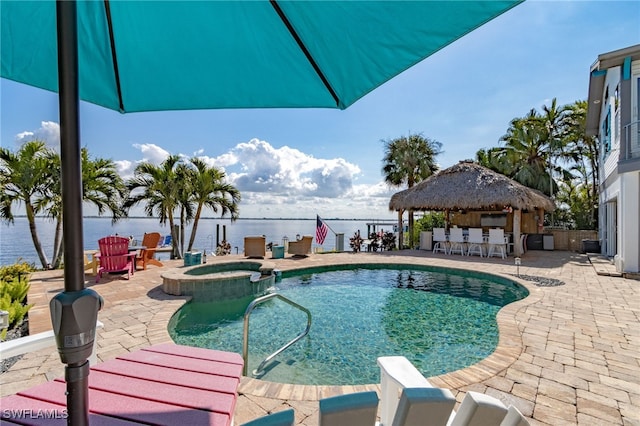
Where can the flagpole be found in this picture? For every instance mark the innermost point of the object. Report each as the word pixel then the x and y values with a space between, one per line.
pixel 325 222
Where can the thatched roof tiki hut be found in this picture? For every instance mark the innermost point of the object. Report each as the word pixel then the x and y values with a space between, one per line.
pixel 474 194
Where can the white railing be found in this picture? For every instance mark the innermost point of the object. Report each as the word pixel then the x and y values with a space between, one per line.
pixel 35 342
pixel 632 138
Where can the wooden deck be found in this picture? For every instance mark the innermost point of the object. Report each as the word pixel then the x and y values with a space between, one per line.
pixel 162 385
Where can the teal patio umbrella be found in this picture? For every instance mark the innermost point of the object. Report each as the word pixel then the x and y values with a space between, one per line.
pixel 135 56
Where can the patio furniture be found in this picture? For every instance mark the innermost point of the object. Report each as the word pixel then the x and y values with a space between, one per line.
pixel 255 246
pixel 114 256
pixel 478 409
pixel 456 240
pixel 497 243
pixel 91 261
pixel 301 247
pixel 353 409
pixel 418 404
pixel 514 418
pixel 440 242
pixel 166 241
pixel 162 384
pixel 475 242
pixel 419 401
pixel 147 254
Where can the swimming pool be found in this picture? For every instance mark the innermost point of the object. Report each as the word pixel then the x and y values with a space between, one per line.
pixel 441 319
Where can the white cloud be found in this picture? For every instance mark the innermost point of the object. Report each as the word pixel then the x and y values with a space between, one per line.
pixel 125 168
pixel 286 182
pixel 151 153
pixel 274 182
pixel 257 166
pixel 49 133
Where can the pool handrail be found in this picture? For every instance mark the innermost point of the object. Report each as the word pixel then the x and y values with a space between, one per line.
pixel 245 337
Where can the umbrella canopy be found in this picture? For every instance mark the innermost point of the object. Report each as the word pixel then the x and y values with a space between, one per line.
pixel 175 55
pixel 469 186
pixel 170 55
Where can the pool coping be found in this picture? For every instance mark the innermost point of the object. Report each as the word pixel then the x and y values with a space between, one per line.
pixel 507 351
pixel 577 363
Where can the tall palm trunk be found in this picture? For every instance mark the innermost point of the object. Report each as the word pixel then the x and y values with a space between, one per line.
pixel 183 221
pixel 174 238
pixel 57 245
pixel 192 237
pixel 31 217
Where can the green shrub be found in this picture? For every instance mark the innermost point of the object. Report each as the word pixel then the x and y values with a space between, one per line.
pixel 22 269
pixel 14 288
pixel 16 309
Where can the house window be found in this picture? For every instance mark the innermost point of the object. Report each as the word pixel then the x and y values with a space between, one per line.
pixel 606 132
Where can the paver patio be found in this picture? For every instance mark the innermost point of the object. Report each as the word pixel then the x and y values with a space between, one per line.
pixel 567 355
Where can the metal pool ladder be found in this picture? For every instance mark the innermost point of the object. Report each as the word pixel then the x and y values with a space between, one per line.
pixel 245 338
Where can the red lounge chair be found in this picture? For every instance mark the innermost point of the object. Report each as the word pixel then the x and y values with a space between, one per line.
pixel 114 256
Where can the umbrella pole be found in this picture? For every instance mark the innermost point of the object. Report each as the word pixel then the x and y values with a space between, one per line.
pixel 73 312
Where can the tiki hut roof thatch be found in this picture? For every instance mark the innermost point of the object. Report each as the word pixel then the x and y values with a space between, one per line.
pixel 469 186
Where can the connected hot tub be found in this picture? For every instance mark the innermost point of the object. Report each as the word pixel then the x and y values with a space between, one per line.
pixel 220 281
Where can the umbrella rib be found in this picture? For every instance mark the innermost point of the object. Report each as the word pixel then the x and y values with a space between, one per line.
pixel 306 52
pixel 114 57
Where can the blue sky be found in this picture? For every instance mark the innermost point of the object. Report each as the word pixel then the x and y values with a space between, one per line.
pixel 299 162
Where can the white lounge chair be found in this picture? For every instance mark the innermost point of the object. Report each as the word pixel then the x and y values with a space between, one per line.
pixel 281 418
pixel 354 409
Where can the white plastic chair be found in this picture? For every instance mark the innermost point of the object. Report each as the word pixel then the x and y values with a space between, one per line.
pixel 407 398
pixel 419 404
pixel 476 242
pixel 514 418
pixel 456 239
pixel 478 409
pixel 440 240
pixel 497 242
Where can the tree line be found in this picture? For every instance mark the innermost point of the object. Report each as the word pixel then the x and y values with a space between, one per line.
pixel 547 150
pixel 30 176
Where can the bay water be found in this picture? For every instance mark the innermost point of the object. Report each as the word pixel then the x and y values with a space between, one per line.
pixel 16 243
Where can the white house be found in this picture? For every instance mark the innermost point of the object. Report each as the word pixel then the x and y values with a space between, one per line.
pixel 613 116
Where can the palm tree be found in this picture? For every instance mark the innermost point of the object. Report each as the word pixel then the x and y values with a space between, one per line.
pixel 26 177
pixel 184 203
pixel 407 161
pixel 533 141
pixel 584 150
pixel 208 189
pixel 524 156
pixel 102 186
pixel 159 187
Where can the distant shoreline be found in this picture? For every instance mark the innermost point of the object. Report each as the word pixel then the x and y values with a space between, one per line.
pixel 177 219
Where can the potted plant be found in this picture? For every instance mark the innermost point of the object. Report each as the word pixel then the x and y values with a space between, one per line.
pixel 356 242
pixel 424 228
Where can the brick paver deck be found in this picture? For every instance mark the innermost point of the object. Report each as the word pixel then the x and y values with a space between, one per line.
pixel 567 355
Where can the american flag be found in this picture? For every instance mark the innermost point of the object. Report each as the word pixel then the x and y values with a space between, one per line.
pixel 321 230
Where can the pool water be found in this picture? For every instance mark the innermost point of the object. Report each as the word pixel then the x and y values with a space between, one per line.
pixel 441 320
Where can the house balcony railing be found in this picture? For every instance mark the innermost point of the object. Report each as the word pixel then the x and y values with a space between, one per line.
pixel 632 140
